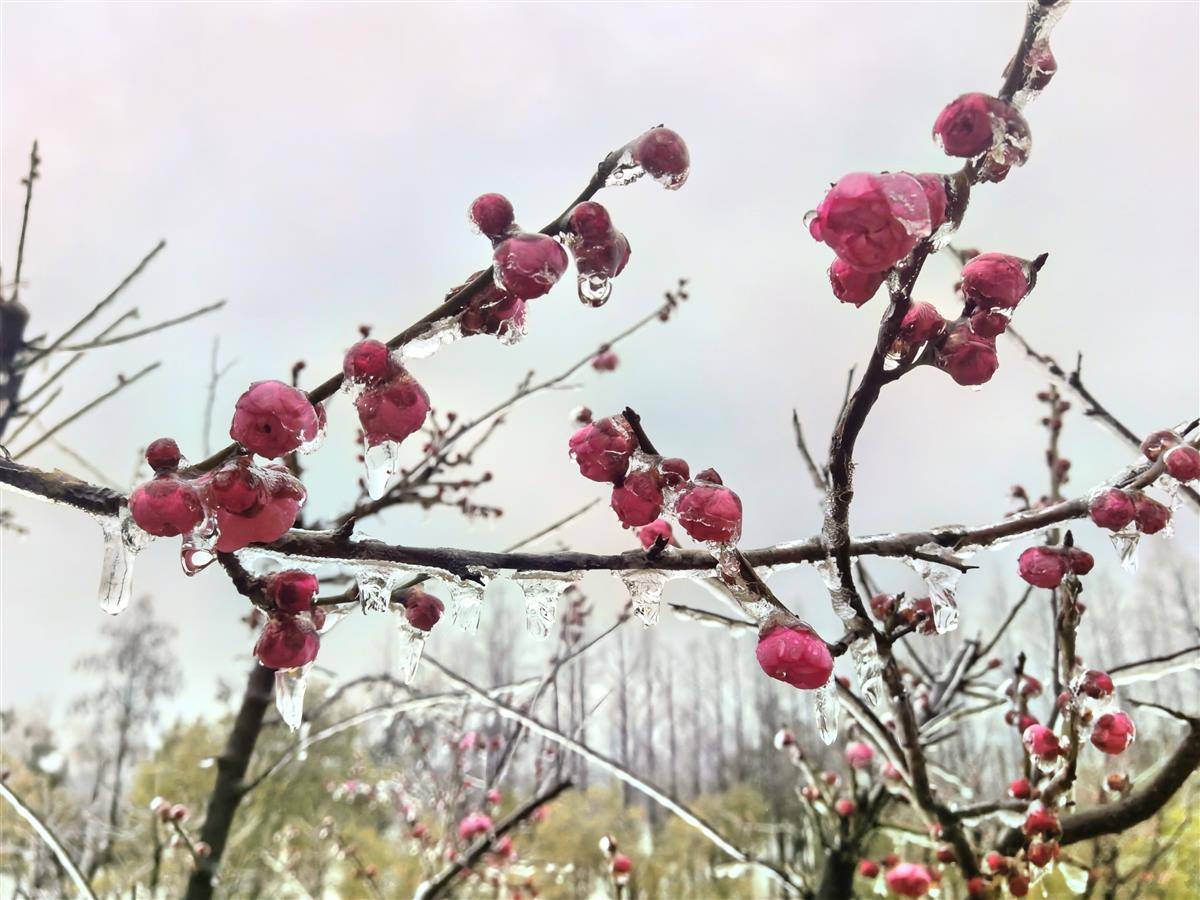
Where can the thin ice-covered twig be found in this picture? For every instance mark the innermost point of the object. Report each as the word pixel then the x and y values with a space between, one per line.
pixel 620 772
pixel 142 332
pixel 50 839
pixel 28 180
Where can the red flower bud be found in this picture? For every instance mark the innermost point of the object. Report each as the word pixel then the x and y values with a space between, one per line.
pixel 602 449
pixel 166 506
pixel 995 281
pixel 909 880
pixel 1183 462
pixel 528 265
pixel 1160 441
pixel 852 286
pixel 796 655
pixel 659 528
pixel 1041 742
pixel 491 215
pixel 1043 567
pixel 1095 684
pixel 873 221
pixel 369 362
pixel 664 157
pixel 710 513
pixel 868 868
pixel 292 591
pixel 1111 508
pixel 272 419
pixel 1113 733
pixel 287 642
pixel 1150 515
pixel 968 358
pixel 163 455
pixel 639 499
pixel 422 610
pixel 1020 789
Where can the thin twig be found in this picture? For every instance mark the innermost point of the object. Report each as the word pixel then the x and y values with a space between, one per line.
pixel 28 180
pixel 142 332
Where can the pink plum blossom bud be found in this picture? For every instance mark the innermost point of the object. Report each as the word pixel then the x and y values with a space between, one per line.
pixel 1154 445
pixel 784 738
pixel 639 499
pixel 996 862
pixel 709 476
pixel 935 193
pixel 1111 508
pixel 1042 66
pixel 263 520
pixel 710 512
pixel 605 361
pixel 179 813
pixel 1095 684
pixel 528 265
pixel 868 868
pixel 1040 853
pixel 292 591
pixel 369 362
pixel 491 215
pixel 909 880
pixel 989 324
pixel 1043 567
pixel 602 449
pixel 1113 733
pixel 493 797
pixel 995 281
pixel 392 411
pixel 964 127
pixel 163 455
pixel 272 418
pixel 1150 515
pixel 945 855
pixel 650 534
pixel 1020 789
pixel 852 286
pixel 1183 462
pixel 968 358
pixel 1041 822
pixel 674 471
pixel 1041 742
pixel 473 825
pixel 920 324
pixel 422 610
pixel 845 807
pixel 883 605
pixel 796 655
pixel 872 221
pixel 621 864
pixel 859 755
pixel 493 311
pixel 1080 561
pixel 238 487
pixel 664 156
pixel 166 506
pixel 287 642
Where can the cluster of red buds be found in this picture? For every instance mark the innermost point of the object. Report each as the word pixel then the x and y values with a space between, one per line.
pixel 290 638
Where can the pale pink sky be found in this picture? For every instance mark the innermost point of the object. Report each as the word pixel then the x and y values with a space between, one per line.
pixel 312 163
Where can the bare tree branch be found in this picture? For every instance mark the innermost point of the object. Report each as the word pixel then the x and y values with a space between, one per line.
pixel 50 839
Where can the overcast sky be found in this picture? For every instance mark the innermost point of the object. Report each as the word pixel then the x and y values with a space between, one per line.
pixel 312 163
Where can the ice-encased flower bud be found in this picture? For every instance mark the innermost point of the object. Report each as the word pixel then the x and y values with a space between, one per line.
pixel 238 487
pixel 996 862
pixel 920 324
pixel 292 591
pixel 967 357
pixel 1020 789
pixel 1158 442
pixel 872 221
pixel 989 324
pixel 908 880
pixel 272 419
pixel 599 249
pixel 1043 567
pixel 1183 462
pixel 392 411
pixel 859 755
pixel 1111 508
pixel 163 455
pixel 1041 822
pixel 1113 733
pixel 287 642
pixel 1116 782
pixel 369 362
pixel 976 123
pixel 528 265
pixel 166 506
pixel 1095 684
pixel 710 512
pixel 1018 885
pixel 639 499
pixel 266 522
pixel 491 215
pixel 851 285
pixel 935 193
pixel 796 655
pixel 1042 66
pixel 1079 561
pixel 422 609
pixel 602 449
pixel 995 281
pixel 649 535
pixel 674 471
pixel 1150 515
pixel 664 156
pixel 493 311
pixel 1041 742
pixel 1041 853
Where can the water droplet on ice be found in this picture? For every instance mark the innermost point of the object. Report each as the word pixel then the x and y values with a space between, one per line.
pixel 645 588
pixel 289 694
pixel 1126 544
pixel 123 540
pixel 382 461
pixel 198 548
pixel 827 707
pixel 594 290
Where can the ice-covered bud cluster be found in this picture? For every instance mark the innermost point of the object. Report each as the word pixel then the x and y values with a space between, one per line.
pixel 605 361
pixel 794 654
pixel 601 252
pixel 287 642
pixel 528 265
pixel 859 755
pixel 986 129
pixel 492 216
pixel 422 610
pixel 872 221
pixel 662 154
pixel 474 825
pixel 659 529
pixel 1046 567
pixel 1149 515
pixel 1041 742
pixel 908 879
pixel 969 358
pixel 1113 732
pixel 273 419
pixel 1041 822
pixel 602 449
pixel 494 311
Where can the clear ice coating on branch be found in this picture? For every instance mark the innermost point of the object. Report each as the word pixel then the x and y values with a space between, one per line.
pixel 1155 669
pixel 410 642
pixel 1126 544
pixel 645 588
pixel 729 570
pixel 837 594
pixel 375 587
pixel 868 669
pixel 123 540
pixel 542 592
pixel 626 171
pixel 826 706
pixel 941 581
pixel 437 335
pixel 289 694
pixel 382 461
